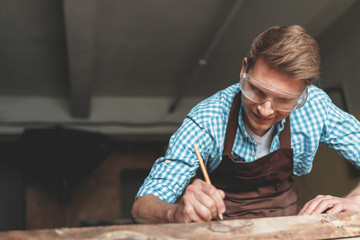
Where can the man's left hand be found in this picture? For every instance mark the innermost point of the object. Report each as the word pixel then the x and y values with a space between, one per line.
pixel 330 204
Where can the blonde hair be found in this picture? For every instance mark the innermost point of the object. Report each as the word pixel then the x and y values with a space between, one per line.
pixel 290 50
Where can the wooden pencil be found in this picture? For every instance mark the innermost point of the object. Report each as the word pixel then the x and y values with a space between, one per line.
pixel 203 169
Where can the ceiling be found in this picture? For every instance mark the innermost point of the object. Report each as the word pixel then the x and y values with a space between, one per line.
pixel 135 67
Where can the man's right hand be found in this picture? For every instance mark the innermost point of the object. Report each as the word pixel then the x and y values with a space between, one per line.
pixel 200 202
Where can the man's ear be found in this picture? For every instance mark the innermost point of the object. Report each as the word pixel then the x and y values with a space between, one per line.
pixel 243 67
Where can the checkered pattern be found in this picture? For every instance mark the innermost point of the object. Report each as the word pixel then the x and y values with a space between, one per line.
pixel 319 120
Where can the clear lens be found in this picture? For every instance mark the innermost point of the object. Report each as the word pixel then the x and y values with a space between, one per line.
pixel 259 92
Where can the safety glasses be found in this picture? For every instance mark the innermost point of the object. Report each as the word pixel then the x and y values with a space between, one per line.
pixel 259 93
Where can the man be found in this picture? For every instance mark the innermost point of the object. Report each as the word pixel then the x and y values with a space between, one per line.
pixel 253 136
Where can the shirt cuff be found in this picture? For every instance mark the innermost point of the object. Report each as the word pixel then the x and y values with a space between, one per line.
pixel 158 190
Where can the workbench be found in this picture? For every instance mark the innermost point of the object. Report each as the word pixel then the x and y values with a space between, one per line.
pixel 325 226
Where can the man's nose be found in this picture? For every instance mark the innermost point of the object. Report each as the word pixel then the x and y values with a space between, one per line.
pixel 266 108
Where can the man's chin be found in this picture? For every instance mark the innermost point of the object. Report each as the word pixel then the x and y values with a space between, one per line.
pixel 262 126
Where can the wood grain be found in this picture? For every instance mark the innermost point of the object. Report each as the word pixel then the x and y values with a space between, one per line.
pixel 326 226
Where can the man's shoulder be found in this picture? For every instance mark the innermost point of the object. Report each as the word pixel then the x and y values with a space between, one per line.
pixel 215 106
pixel 315 108
pixel 316 94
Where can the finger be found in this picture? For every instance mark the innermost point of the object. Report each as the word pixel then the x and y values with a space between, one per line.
pixel 222 193
pixel 204 213
pixel 221 208
pixel 218 198
pixel 322 206
pixel 303 211
pixel 335 209
pixel 216 195
pixel 307 208
pixel 208 203
pixel 325 203
pixel 215 203
pixel 192 209
pixel 311 205
pixel 190 214
pixel 202 204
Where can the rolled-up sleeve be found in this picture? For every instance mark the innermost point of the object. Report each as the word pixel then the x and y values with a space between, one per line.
pixel 342 133
pixel 172 173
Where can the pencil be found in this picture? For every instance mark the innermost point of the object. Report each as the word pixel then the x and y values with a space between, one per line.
pixel 203 169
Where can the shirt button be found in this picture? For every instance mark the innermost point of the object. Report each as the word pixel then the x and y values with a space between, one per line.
pixel 166 161
pixel 253 154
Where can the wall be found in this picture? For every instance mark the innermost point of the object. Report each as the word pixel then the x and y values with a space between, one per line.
pixel 96 199
pixel 340 57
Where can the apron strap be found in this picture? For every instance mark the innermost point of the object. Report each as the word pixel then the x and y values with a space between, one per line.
pixel 285 138
pixel 232 124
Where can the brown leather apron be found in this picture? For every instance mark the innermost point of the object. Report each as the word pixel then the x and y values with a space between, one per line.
pixel 262 188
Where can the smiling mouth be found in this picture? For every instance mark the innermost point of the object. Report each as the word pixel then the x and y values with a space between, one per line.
pixel 260 119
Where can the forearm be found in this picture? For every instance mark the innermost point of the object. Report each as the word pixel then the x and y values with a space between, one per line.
pixel 355 193
pixel 150 209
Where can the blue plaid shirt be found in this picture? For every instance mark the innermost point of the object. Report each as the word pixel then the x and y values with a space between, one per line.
pixel 318 120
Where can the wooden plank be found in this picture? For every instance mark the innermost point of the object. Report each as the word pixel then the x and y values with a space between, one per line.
pixel 326 226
